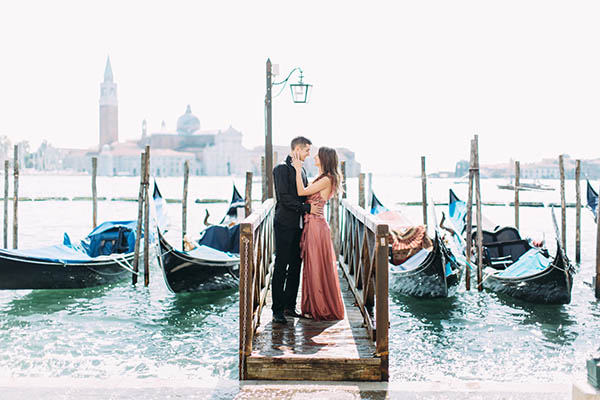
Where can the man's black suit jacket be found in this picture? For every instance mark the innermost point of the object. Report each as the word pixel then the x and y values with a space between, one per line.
pixel 290 207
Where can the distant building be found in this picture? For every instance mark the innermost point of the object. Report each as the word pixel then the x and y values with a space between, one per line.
pixel 109 108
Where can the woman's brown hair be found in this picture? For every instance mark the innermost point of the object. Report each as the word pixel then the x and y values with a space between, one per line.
pixel 329 165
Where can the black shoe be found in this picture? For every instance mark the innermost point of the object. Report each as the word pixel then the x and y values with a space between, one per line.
pixel 279 319
pixel 292 313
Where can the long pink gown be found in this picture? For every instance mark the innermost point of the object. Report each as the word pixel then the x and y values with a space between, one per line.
pixel 321 296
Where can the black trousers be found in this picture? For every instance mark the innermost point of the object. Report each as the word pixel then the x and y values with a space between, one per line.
pixel 286 272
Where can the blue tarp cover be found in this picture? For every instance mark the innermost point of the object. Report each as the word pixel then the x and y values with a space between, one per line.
pixel 97 243
pixel 222 238
pixel 528 264
pixel 210 254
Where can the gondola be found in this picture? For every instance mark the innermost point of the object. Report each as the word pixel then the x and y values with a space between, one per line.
pixel 430 272
pixel 592 200
pixel 513 267
pixel 203 269
pixel 103 257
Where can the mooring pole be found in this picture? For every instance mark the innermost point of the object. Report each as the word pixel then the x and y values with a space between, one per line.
pixel 186 177
pixel 424 189
pixel 94 193
pixel 563 204
pixel 16 199
pixel 517 185
pixel 147 219
pixel 6 175
pixel 269 132
pixel 248 199
pixel 470 218
pixel 344 188
pixel 361 190
pixel 369 199
pixel 263 176
pixel 479 219
pixel 138 232
pixel 577 211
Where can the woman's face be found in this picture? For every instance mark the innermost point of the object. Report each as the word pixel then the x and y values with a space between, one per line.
pixel 317 161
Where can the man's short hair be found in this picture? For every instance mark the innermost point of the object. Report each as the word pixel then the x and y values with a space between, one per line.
pixel 300 141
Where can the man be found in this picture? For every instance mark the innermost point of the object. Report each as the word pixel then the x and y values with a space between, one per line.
pixel 287 225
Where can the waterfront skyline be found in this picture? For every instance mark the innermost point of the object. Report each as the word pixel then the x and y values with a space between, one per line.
pixel 392 81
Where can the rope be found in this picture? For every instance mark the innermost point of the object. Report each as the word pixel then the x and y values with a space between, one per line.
pixel 244 324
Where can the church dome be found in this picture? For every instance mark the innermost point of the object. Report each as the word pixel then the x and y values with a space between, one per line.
pixel 188 123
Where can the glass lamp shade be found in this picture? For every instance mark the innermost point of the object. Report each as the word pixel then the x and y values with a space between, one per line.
pixel 300 92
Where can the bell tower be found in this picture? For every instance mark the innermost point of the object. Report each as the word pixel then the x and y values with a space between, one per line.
pixel 109 108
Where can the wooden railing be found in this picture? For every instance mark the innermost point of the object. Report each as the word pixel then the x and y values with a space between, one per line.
pixel 364 260
pixel 256 266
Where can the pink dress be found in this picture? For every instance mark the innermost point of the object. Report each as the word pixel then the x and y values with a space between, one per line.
pixel 321 296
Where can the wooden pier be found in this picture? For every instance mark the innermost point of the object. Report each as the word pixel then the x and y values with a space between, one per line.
pixel 353 349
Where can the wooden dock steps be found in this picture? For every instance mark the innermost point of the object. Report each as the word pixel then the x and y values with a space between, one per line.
pixel 305 349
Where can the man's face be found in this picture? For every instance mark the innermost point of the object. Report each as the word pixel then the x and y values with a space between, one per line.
pixel 303 151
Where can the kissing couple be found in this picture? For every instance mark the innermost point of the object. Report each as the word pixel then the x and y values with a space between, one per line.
pixel 302 234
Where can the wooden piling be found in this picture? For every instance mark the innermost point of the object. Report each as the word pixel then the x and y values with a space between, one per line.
pixel 369 199
pixel 94 193
pixel 424 189
pixel 361 190
pixel 577 211
pixel 344 186
pixel 248 198
pixel 597 280
pixel 263 177
pixel 138 233
pixel 563 204
pixel 147 218
pixel 6 174
pixel 16 199
pixel 479 219
pixel 517 184
pixel 186 177
pixel 469 227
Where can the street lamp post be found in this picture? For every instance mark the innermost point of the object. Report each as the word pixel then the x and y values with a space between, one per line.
pixel 300 94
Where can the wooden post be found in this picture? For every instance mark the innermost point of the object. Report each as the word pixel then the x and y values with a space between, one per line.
pixel 469 227
pixel 269 131
pixel 344 188
pixel 517 185
pixel 147 218
pixel 369 198
pixel 16 199
pixel 479 219
pixel 263 179
pixel 6 172
pixel 248 203
pixel 361 190
pixel 138 233
pixel 94 193
pixel 186 178
pixel 246 295
pixel 577 211
pixel 563 204
pixel 597 280
pixel 424 189
pixel 382 299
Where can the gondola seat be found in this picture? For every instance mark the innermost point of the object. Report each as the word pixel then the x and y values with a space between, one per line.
pixel 503 247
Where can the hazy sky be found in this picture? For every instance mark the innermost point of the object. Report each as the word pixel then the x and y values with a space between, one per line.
pixel 392 80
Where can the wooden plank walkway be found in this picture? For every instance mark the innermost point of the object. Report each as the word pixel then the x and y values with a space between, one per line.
pixel 305 349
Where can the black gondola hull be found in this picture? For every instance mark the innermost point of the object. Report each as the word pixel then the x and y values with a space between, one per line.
pixel 184 273
pixel 429 279
pixel 550 286
pixel 28 273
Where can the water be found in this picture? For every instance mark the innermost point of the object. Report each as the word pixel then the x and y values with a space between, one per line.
pixel 122 332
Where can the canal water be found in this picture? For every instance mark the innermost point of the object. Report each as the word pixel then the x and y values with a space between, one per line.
pixel 125 332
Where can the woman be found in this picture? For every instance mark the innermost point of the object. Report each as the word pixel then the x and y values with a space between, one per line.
pixel 321 296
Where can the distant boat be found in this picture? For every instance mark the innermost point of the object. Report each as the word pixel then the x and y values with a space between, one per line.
pixel 592 200
pixel 515 268
pixel 103 257
pixel 524 186
pixel 205 268
pixel 429 272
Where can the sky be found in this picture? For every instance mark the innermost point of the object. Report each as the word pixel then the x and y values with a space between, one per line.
pixel 393 81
